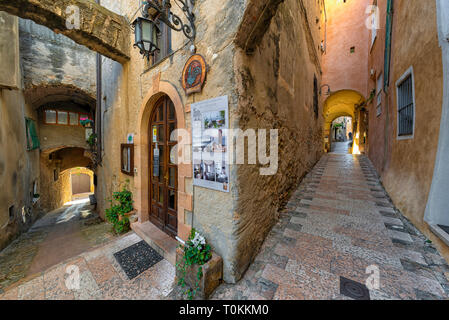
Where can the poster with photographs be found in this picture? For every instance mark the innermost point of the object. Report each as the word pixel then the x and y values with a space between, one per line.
pixel 209 144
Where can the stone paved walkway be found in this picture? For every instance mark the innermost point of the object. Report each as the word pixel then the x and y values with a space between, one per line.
pixel 101 277
pixel 59 235
pixel 339 222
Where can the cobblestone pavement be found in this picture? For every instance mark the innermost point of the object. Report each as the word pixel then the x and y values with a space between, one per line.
pixel 100 275
pixel 339 222
pixel 59 235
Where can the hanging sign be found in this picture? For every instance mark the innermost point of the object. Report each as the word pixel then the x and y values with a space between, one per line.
pixel 194 74
pixel 130 138
pixel 154 134
pixel 210 144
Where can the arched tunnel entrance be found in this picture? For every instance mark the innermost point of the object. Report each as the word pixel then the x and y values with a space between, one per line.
pixel 344 112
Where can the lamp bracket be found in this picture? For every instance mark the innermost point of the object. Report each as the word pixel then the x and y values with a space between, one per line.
pixel 173 21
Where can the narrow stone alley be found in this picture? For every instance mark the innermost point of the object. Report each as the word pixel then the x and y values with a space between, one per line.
pixel 59 235
pixel 338 223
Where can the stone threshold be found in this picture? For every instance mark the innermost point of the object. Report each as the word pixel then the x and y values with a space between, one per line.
pixel 157 239
pixel 440 233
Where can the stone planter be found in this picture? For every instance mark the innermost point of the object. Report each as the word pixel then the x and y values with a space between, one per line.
pixel 212 274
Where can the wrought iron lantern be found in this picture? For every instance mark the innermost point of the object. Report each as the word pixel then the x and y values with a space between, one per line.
pixel 146 32
pixel 155 11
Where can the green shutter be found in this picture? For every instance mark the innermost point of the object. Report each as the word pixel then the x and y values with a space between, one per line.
pixel 31 133
pixel 388 34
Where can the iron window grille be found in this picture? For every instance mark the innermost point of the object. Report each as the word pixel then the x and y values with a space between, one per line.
pixel 406 106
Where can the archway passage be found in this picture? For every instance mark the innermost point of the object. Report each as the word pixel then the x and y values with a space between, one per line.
pixel 343 103
pixel 163 169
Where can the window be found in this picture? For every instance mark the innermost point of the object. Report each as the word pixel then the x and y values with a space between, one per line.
pixel 62 117
pixel 31 134
pixel 74 119
pixel 379 95
pixel 11 213
pixel 405 90
pixel 50 116
pixel 127 159
pixel 163 43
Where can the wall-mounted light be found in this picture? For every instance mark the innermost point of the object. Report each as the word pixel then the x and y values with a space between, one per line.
pixel 155 11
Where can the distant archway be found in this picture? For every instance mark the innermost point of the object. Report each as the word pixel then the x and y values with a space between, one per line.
pixel 343 103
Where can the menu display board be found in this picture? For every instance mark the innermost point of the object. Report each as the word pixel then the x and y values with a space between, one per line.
pixel 210 155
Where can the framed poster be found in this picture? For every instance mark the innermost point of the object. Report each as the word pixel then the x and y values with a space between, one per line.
pixel 210 125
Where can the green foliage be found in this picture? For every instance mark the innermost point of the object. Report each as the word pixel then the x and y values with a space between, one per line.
pixel 92 139
pixel 195 252
pixel 121 204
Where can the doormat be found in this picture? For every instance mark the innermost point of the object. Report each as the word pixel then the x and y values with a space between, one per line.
pixel 445 228
pixel 137 258
pixel 354 290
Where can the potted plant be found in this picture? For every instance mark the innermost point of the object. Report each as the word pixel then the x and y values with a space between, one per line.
pixel 198 269
pixel 86 122
pixel 118 214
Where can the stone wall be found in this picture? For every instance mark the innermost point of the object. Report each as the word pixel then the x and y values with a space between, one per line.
pixel 49 59
pixel 19 168
pixel 275 90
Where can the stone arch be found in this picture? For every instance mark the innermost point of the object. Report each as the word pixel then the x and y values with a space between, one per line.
pixel 340 103
pixel 158 90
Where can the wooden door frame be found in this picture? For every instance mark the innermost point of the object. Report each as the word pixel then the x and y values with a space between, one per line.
pixel 185 171
pixel 157 120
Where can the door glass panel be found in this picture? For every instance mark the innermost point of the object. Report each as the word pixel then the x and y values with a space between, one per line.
pixel 161 133
pixel 161 113
pixel 171 128
pixel 172 177
pixel 172 113
pixel 173 154
pixel 172 200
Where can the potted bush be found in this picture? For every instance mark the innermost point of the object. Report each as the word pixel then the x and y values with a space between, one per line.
pixel 119 213
pixel 198 269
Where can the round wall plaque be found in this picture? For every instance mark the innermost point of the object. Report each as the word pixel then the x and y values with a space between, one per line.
pixel 194 74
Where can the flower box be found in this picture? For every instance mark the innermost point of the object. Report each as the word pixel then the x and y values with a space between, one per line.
pixel 212 274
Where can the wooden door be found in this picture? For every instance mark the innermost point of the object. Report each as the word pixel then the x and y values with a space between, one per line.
pixel 163 185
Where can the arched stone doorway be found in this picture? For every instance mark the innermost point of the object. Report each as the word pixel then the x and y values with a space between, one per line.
pixel 343 103
pixel 143 154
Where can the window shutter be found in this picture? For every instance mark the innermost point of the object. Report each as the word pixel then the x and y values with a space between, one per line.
pixel 388 32
pixel 32 137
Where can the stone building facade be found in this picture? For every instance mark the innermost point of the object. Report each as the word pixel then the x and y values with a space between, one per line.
pixel 406 163
pixel 266 58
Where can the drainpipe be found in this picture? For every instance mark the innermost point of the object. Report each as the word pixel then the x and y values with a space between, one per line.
pixel 98 114
pixel 387 63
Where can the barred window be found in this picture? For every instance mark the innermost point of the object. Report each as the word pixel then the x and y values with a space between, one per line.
pixel 406 105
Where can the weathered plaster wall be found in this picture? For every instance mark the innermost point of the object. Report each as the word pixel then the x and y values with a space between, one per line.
pixel 378 133
pixel 55 193
pixel 50 59
pixel 125 88
pixel 409 168
pixel 275 90
pixel 346 28
pixel 19 168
